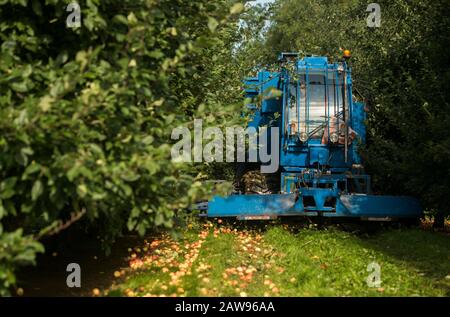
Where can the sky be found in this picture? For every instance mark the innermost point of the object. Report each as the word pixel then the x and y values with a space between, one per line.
pixel 263 1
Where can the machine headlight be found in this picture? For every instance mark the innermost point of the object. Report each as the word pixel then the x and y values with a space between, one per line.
pixel 347 54
pixel 303 136
pixel 334 137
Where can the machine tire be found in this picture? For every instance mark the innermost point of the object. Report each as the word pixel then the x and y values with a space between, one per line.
pixel 254 182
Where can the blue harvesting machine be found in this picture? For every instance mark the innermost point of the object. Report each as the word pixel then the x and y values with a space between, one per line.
pixel 320 171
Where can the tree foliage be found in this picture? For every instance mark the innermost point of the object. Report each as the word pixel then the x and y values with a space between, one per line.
pixel 86 114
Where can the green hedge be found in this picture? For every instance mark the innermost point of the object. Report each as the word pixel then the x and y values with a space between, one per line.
pixel 86 114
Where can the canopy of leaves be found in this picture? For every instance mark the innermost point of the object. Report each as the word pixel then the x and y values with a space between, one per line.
pixel 86 113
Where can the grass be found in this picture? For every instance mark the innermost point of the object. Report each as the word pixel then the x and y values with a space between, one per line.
pixel 217 259
pixel 334 263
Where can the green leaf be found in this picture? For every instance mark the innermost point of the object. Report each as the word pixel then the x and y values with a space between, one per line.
pixel 32 168
pixel 37 190
pixel 3 212
pixel 45 103
pixel 82 190
pixel 22 156
pixel 141 228
pixel 237 8
pixel 37 8
pixel 148 140
pixel 131 224
pixel 120 18
pixel 27 71
pixel 159 219
pixel 156 54
pixel 212 24
pixel 132 18
pixel 20 87
pixel 8 183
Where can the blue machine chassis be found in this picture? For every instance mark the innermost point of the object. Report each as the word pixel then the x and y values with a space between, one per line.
pixel 354 205
pixel 318 177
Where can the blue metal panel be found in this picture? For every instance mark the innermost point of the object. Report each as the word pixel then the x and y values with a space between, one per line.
pixel 294 158
pixel 379 206
pixel 257 119
pixel 313 60
pixel 287 205
pixel 359 117
pixel 318 155
pixel 238 205
pixel 336 158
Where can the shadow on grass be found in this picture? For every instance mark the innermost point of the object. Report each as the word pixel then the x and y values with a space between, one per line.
pixel 427 252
